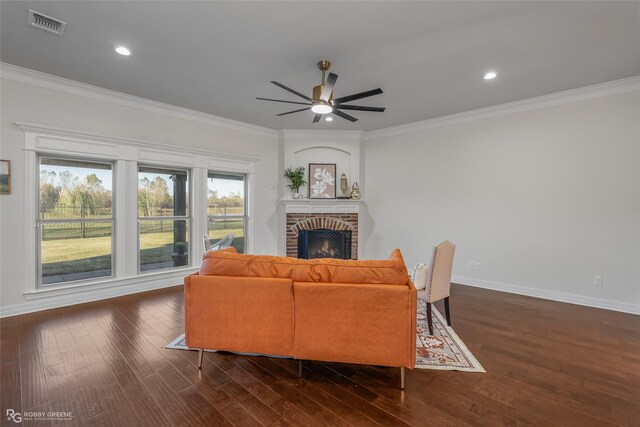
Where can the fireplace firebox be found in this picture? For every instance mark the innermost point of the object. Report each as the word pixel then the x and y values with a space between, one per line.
pixel 324 243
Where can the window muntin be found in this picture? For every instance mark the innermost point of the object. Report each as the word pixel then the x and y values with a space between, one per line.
pixel 75 220
pixel 163 221
pixel 227 207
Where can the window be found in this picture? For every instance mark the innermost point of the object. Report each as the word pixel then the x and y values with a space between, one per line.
pixel 227 207
pixel 75 220
pixel 163 218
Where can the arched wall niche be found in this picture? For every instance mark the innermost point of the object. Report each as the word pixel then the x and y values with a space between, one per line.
pixel 340 148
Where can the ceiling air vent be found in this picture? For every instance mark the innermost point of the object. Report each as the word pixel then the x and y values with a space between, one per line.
pixel 47 23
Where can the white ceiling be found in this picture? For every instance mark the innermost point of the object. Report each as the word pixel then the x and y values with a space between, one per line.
pixel 428 57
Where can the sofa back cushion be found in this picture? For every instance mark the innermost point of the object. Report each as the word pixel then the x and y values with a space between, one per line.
pixel 390 271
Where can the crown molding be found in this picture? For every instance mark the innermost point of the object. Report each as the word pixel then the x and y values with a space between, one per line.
pixel 574 95
pixel 316 134
pixel 73 133
pixel 48 81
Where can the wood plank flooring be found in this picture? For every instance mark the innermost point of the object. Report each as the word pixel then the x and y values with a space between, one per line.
pixel 547 364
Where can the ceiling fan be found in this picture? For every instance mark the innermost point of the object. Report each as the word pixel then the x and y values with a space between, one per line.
pixel 322 100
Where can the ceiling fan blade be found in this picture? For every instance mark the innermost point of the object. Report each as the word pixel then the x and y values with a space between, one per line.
pixel 359 108
pixel 328 87
pixel 357 96
pixel 281 100
pixel 317 117
pixel 294 111
pixel 344 115
pixel 295 92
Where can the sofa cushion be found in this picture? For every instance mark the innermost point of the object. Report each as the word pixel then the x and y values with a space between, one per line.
pixel 355 323
pixel 239 314
pixel 391 271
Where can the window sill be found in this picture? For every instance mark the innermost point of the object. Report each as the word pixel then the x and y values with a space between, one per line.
pixel 93 285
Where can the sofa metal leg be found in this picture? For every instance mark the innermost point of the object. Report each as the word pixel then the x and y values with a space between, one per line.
pixel 200 355
pixel 300 368
pixel 402 378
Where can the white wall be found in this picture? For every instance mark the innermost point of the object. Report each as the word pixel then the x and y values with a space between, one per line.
pixel 545 199
pixel 30 103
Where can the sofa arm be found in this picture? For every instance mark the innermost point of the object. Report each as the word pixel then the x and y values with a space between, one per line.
pixel 355 323
pixel 243 314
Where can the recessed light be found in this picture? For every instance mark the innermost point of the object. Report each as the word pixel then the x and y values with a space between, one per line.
pixel 122 50
pixel 490 75
pixel 329 119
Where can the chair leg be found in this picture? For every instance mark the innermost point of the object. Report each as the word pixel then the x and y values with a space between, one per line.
pixel 200 355
pixel 300 368
pixel 402 378
pixel 429 320
pixel 447 311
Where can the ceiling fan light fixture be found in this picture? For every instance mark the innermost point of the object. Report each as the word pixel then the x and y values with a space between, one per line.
pixel 321 108
pixel 322 102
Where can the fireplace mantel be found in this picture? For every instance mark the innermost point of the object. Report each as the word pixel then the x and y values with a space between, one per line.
pixel 320 206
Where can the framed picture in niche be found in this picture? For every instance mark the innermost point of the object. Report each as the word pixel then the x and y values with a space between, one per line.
pixel 5 176
pixel 322 180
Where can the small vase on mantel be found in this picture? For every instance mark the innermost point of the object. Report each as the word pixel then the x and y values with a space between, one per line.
pixel 344 186
pixel 355 191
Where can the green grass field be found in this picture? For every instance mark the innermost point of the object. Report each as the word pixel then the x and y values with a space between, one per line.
pixel 63 251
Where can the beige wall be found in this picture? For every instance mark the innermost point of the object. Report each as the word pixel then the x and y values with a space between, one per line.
pixel 545 200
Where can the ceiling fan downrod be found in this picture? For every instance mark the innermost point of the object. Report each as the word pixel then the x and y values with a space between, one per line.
pixel 317 90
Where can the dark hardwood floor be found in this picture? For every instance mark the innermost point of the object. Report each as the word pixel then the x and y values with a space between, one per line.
pixel 547 364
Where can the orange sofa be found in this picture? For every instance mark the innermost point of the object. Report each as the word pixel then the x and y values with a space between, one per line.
pixel 349 311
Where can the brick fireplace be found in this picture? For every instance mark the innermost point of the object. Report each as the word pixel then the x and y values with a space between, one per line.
pixel 301 148
pixel 339 221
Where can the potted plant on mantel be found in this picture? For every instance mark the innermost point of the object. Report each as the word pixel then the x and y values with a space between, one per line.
pixel 296 180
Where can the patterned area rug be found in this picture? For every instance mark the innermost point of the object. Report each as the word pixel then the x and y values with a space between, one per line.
pixel 444 350
pixel 180 344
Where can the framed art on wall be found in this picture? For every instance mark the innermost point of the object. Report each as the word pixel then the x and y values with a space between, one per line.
pixel 5 176
pixel 322 180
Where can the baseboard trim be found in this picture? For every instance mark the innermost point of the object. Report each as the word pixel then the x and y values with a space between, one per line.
pixel 143 284
pixel 550 295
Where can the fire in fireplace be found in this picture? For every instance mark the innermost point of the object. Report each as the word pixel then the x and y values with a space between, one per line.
pixel 324 244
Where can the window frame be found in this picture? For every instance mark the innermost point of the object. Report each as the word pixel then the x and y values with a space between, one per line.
pixel 40 222
pixel 245 215
pixel 126 154
pixel 188 218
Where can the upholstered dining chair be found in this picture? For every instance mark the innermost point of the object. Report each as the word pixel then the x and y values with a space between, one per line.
pixel 225 242
pixel 207 242
pixel 438 280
